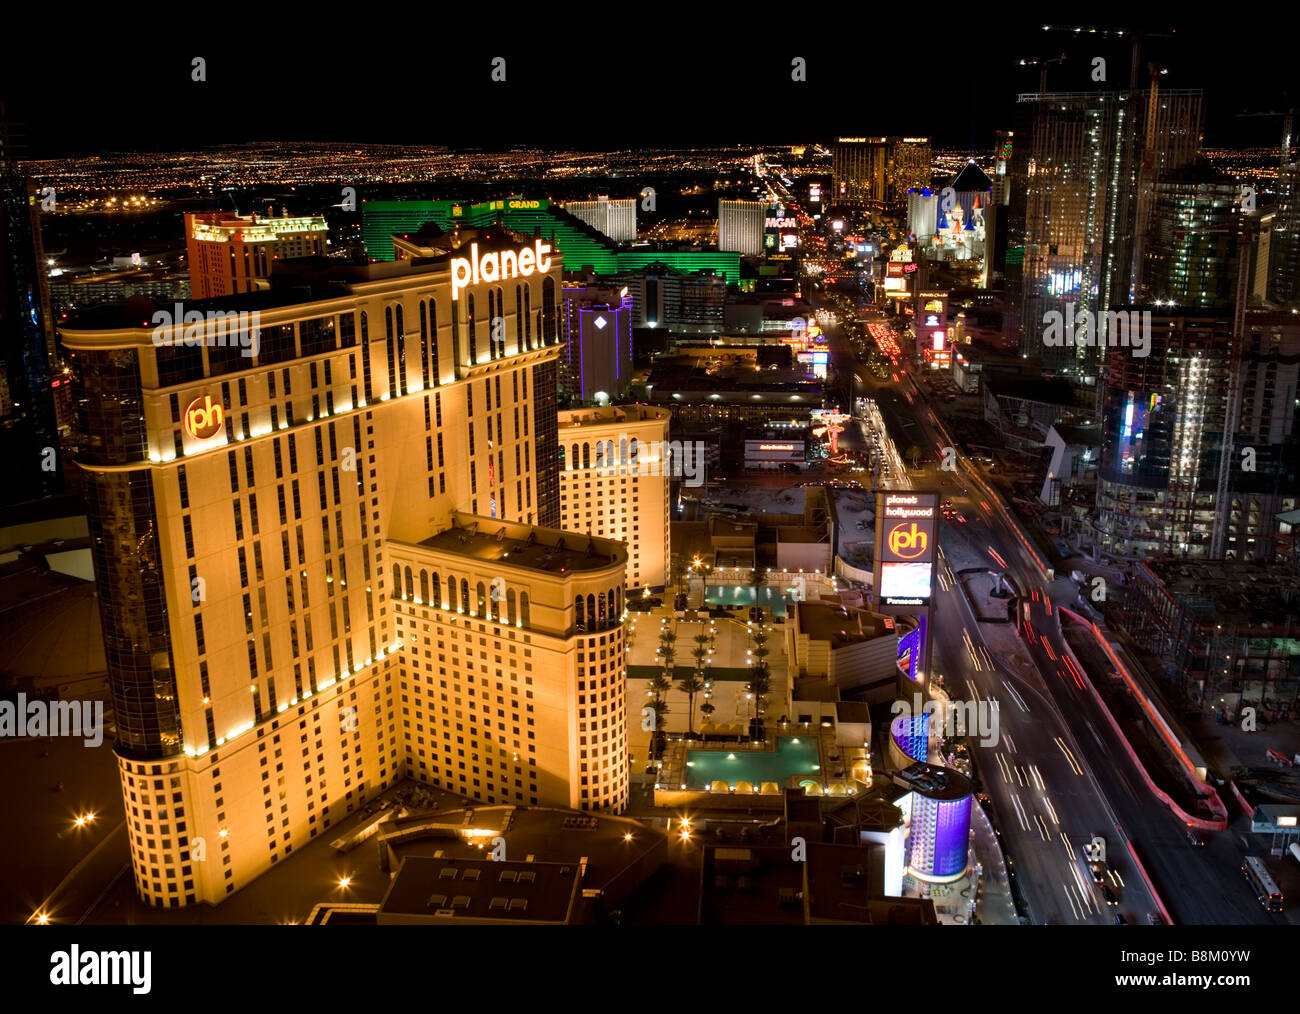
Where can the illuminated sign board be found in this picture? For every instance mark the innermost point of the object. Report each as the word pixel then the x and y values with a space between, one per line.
pixel 814 193
pixel 776 447
pixel 895 285
pixel 909 267
pixel 894 270
pixel 837 225
pixel 931 319
pixel 497 267
pixel 202 419
pixel 937 338
pixel 906 537
pixel 782 223
pixel 933 304
pixel 523 204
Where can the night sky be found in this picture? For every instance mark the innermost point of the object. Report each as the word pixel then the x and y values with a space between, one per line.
pixel 580 77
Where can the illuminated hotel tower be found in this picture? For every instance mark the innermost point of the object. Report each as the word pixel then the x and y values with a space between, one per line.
pixel 231 253
pixel 329 558
pixel 615 483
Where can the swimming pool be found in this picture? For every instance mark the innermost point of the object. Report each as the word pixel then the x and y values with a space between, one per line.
pixel 795 755
pixel 774 599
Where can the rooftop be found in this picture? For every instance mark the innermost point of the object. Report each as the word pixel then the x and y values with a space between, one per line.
pixel 542 549
pixel 840 625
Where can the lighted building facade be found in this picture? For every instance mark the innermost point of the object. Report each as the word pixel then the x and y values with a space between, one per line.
pixel 1081 201
pixel 1191 252
pixel 614 218
pixel 740 227
pixel 229 254
pixel 615 483
pixel 1161 491
pixel 596 328
pixel 246 513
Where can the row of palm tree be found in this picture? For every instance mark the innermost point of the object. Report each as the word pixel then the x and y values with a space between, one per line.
pixel 760 678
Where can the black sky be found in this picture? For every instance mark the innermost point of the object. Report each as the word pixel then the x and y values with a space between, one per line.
pixel 594 77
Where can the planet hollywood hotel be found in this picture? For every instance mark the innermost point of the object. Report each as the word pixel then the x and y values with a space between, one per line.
pixel 337 563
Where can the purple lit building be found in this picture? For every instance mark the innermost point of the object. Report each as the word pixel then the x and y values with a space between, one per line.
pixel 596 358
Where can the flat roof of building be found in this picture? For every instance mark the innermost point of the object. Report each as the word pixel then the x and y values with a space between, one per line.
pixel 483 889
pixel 548 550
pixel 839 624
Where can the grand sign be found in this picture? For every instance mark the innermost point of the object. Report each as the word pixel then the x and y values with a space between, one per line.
pixel 498 266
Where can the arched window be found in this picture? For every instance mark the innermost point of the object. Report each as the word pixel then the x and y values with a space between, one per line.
pixel 586 455
pixel 496 602
pixel 435 373
pixel 451 593
pixel 464 594
pixel 469 319
pixel 511 613
pixel 600 605
pixel 632 449
pixel 424 587
pixel 410 585
pixel 482 600
pixel 424 342
pixel 610 460
pixel 579 613
pixel 600 453
pixel 390 342
pixel 528 317
pixel 622 456
pixel 519 318
pixel 397 581
pixel 548 311
pixel 499 326
pixel 365 354
pixel 437 590
pixel 591 611
pixel 575 461
pixel 401 351
pixel 524 616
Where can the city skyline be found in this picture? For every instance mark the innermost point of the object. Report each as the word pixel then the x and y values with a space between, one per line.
pixel 768 475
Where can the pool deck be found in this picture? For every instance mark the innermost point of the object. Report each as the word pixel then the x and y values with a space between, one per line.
pixel 835 773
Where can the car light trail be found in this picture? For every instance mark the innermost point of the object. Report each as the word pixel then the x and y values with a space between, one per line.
pixel 1069 756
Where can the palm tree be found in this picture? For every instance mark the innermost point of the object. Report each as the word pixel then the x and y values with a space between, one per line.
pixel 659 740
pixel 759 686
pixel 677 569
pixel 690 684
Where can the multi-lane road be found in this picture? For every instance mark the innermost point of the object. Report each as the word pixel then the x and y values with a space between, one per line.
pixel 1057 777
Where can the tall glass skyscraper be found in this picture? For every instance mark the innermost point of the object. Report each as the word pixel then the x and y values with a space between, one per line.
pixel 1080 168
pixel 29 437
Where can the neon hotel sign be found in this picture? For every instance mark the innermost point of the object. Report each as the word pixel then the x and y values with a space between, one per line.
pixel 497 267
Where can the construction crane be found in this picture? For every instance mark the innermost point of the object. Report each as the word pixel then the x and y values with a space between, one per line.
pixel 1041 61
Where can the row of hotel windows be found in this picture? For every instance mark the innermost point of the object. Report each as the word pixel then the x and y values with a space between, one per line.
pixel 277 343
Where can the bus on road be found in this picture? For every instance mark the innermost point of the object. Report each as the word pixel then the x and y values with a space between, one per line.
pixel 1264 886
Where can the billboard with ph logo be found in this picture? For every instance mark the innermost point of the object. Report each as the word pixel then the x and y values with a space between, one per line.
pixel 906 535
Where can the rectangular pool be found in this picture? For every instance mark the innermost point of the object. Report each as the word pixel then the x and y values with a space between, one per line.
pixel 774 599
pixel 795 755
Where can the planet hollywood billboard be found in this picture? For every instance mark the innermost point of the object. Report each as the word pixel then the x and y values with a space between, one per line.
pixel 906 538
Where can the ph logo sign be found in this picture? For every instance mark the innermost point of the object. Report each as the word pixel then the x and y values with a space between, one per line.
pixel 908 541
pixel 202 419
